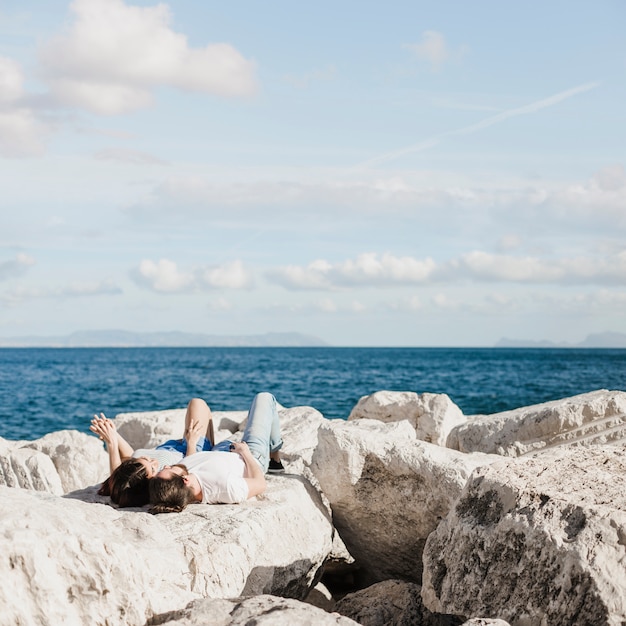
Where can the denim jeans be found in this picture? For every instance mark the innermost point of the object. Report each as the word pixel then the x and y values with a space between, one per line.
pixel 262 433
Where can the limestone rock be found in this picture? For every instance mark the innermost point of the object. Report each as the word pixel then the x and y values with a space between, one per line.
pixel 391 603
pixel 57 463
pixel 388 491
pixel 432 415
pixel 26 468
pixel 535 540
pixel 275 543
pixel 263 610
pixel 80 459
pixel 598 417
pixel 485 621
pixel 72 563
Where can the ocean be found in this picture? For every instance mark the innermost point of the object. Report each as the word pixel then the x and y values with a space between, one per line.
pixel 48 389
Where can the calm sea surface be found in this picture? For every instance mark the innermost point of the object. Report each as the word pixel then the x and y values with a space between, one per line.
pixel 47 389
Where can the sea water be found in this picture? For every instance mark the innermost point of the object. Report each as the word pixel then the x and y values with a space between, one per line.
pixel 48 389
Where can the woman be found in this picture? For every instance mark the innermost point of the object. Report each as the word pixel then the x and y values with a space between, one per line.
pixel 130 469
pixel 231 473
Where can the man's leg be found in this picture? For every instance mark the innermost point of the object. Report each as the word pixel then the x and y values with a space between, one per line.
pixel 262 433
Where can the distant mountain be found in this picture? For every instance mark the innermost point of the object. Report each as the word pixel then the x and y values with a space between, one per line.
pixel 596 340
pixel 127 339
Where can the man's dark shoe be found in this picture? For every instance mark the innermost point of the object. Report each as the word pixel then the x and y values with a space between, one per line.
pixel 275 467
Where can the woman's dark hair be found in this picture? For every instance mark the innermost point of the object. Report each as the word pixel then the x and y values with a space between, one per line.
pixel 168 495
pixel 127 485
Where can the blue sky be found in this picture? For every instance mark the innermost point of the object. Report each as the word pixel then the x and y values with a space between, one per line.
pixel 399 173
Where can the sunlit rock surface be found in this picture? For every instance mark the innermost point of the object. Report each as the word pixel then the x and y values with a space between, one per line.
pixel 535 540
pixel 594 418
pixel 388 491
pixel 433 415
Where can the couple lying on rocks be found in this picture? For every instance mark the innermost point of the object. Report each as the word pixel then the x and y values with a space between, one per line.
pixel 194 468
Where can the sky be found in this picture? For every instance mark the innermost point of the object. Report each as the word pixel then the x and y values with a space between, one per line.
pixel 400 173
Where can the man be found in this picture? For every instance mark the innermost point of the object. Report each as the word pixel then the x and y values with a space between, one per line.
pixel 231 472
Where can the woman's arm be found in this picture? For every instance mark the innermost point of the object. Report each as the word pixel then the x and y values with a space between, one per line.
pixel 117 447
pixel 254 474
pixel 195 430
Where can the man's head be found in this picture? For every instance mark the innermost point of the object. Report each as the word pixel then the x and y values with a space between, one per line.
pixel 173 489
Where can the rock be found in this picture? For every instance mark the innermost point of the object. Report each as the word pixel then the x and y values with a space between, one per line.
pixel 598 417
pixel 391 603
pixel 57 463
pixel 535 540
pixel 274 544
pixel 485 621
pixel 432 415
pixel 26 468
pixel 263 610
pixel 72 563
pixel 80 459
pixel 388 491
pixel 321 597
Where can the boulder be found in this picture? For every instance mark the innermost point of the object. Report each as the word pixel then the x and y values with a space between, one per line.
pixel 263 610
pixel 80 459
pixel 73 560
pixel 485 621
pixel 56 463
pixel 26 468
pixel 276 543
pixel 598 417
pixel 391 602
pixel 72 563
pixel 388 491
pixel 432 415
pixel 535 540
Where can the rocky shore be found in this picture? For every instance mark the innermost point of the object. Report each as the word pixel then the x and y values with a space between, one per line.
pixel 406 513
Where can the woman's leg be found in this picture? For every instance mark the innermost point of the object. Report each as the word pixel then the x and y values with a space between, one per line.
pixel 262 433
pixel 199 414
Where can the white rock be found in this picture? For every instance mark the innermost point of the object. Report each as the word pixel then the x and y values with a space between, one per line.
pixel 26 468
pixel 263 610
pixel 598 417
pixel 535 540
pixel 394 602
pixel 69 561
pixel 485 621
pixel 274 544
pixel 432 415
pixel 72 563
pixel 80 459
pixel 388 490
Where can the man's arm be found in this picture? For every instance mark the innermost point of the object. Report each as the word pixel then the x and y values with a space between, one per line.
pixel 254 477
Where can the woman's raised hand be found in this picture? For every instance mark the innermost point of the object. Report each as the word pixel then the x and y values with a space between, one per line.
pixel 104 428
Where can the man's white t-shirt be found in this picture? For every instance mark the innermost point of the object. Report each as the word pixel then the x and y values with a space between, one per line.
pixel 221 476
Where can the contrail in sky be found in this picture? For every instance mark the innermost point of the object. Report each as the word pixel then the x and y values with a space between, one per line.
pixel 490 121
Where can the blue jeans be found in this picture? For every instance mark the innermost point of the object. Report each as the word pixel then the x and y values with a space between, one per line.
pixel 262 433
pixel 180 445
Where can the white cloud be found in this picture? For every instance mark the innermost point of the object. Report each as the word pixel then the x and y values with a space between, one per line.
pixel 232 275
pixel 387 270
pixel 165 277
pixel 114 55
pixel 162 276
pixel 21 131
pixel 432 48
pixel 73 290
pixel 15 267
pixel 366 270
pixel 128 156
